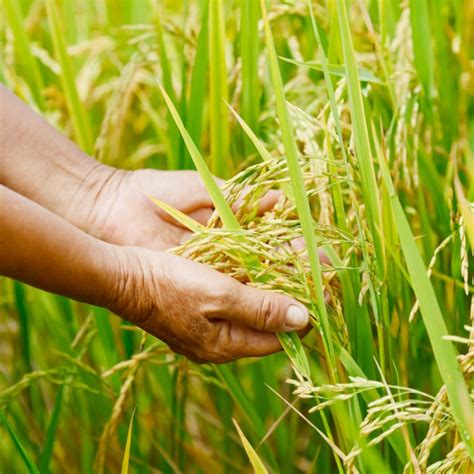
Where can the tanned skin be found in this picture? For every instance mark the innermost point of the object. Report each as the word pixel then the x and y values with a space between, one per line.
pixel 73 226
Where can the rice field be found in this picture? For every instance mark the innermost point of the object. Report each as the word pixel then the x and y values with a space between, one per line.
pixel 361 114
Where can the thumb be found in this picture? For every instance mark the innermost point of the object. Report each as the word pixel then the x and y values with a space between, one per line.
pixel 264 310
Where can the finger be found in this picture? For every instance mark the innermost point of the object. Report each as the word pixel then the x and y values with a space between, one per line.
pixel 262 310
pixel 265 204
pixel 268 202
pixel 201 215
pixel 235 341
pixel 186 235
pixel 298 244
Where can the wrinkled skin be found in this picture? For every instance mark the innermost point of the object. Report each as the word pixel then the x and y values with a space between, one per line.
pixel 102 241
pixel 201 313
pixel 198 312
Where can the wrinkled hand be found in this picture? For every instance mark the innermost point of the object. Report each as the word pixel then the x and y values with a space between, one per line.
pixel 199 312
pixel 124 215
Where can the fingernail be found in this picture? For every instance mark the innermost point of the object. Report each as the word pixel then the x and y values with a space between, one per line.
pixel 297 316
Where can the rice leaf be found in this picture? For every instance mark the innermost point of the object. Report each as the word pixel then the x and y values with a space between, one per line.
pixel 298 186
pixel 23 47
pixel 126 454
pixel 218 92
pixel 173 138
pixel 79 118
pixel 257 463
pixel 221 205
pixel 361 134
pixel 29 464
pixel 230 222
pixel 182 218
pixel 249 50
pixel 422 49
pixel 336 70
pixel 198 86
pixel 47 452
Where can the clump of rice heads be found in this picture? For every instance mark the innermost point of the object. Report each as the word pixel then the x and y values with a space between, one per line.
pixel 275 236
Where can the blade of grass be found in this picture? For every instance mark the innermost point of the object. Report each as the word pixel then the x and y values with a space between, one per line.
pixel 336 70
pixel 182 218
pixel 292 345
pixel 422 49
pixel 360 131
pixel 299 192
pixel 257 463
pixel 47 453
pixel 223 209
pixel 368 181
pixel 218 92
pixel 249 51
pixel 173 138
pixel 77 111
pixel 29 464
pixel 197 93
pixel 23 48
pixel 126 454
pixel 264 153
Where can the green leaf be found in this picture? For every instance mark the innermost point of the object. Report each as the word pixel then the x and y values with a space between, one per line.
pixel 30 465
pixel 299 192
pixel 182 218
pixel 80 120
pixel 16 23
pixel 218 92
pixel 422 48
pixel 257 464
pixel 126 454
pixel 230 222
pixel 336 70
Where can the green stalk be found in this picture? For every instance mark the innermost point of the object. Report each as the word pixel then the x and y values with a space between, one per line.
pixel 249 49
pixel 28 462
pixel 77 112
pixel 23 49
pixel 289 341
pixel 126 454
pixel 367 172
pixel 299 192
pixel 422 48
pixel 198 87
pixel 218 92
pixel 173 138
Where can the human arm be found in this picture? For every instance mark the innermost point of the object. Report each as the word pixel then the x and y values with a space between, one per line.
pixel 197 311
pixel 40 163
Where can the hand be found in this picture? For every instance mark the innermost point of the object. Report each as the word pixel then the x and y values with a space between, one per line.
pixel 124 215
pixel 199 312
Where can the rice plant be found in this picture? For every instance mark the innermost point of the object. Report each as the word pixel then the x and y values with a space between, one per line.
pixel 360 115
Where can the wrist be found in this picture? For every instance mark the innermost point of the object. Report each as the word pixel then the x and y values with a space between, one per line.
pixel 126 289
pixel 95 198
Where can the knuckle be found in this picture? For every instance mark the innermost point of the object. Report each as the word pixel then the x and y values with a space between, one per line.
pixel 264 313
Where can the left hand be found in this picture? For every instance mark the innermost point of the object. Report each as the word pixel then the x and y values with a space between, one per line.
pixel 124 215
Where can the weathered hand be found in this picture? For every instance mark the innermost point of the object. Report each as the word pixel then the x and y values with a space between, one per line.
pixel 124 215
pixel 199 312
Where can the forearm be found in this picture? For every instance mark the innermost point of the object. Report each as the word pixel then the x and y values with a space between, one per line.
pixel 43 165
pixel 43 250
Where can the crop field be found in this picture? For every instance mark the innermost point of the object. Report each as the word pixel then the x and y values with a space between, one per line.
pixel 361 114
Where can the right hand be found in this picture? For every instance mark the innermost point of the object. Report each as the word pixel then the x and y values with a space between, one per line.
pixel 201 313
